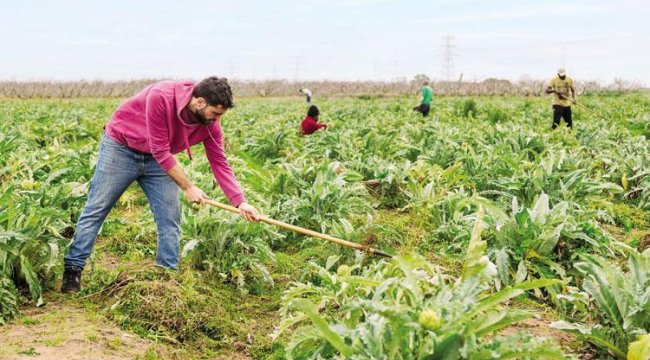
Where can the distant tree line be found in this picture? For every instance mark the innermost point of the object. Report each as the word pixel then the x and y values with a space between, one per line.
pixel 267 88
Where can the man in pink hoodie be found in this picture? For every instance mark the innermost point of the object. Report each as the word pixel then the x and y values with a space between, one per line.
pixel 165 118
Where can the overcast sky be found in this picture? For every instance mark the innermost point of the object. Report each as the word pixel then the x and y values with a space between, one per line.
pixel 334 39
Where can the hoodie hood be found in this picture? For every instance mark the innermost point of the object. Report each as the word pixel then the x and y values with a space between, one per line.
pixel 182 96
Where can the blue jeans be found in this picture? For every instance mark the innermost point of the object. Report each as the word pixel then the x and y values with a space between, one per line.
pixel 117 167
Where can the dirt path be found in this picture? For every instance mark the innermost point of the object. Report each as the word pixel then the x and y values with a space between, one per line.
pixel 539 327
pixel 67 327
pixel 63 330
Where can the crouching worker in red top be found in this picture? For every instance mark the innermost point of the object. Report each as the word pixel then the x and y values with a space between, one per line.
pixel 310 123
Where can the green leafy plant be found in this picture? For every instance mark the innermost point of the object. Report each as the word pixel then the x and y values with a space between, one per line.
pixel 332 195
pixel 620 300
pixel 407 309
pixel 540 243
pixel 468 108
pixel 8 299
pixel 233 249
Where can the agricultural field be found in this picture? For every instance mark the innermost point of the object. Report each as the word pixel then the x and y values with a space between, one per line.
pixel 509 240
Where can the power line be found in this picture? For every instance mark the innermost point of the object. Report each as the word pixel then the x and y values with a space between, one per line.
pixel 447 57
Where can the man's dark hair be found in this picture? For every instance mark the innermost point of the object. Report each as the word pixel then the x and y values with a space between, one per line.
pixel 215 91
pixel 313 111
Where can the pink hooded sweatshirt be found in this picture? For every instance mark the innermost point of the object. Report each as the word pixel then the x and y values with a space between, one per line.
pixel 151 123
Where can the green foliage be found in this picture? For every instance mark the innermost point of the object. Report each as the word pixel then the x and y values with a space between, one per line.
pixel 468 108
pixel 168 306
pixel 234 250
pixel 8 299
pixel 386 311
pixel 639 349
pixel 628 217
pixel 376 154
pixel 621 300
pixel 324 196
pixel 497 115
pixel 541 243
pixel 41 187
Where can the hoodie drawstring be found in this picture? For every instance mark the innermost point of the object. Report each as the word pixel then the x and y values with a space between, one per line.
pixel 187 142
pixel 211 137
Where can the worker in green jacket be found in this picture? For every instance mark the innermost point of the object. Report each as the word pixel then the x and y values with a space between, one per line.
pixel 426 95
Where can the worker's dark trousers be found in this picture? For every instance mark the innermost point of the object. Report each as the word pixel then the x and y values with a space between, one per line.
pixel 562 112
pixel 424 109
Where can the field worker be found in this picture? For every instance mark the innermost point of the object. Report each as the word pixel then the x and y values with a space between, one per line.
pixel 141 137
pixel 307 92
pixel 561 85
pixel 426 95
pixel 310 123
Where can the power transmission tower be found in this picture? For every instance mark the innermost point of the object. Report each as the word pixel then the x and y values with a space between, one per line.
pixel 447 57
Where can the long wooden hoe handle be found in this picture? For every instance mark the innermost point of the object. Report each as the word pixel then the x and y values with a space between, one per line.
pixel 592 111
pixel 304 231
